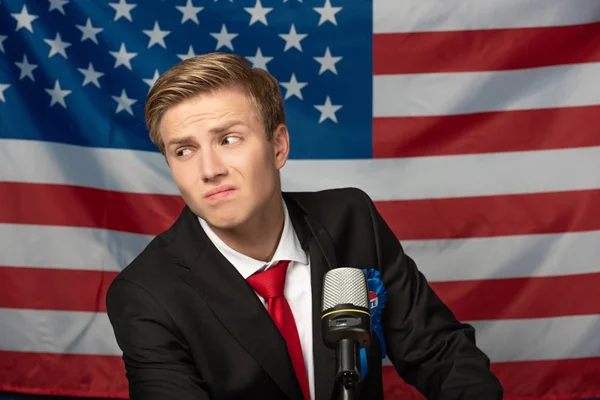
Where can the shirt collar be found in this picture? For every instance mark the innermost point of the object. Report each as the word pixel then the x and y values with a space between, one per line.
pixel 288 248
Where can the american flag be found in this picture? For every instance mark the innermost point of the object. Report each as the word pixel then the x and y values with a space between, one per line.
pixel 474 125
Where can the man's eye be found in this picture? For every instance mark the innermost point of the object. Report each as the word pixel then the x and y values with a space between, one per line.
pixel 230 140
pixel 182 152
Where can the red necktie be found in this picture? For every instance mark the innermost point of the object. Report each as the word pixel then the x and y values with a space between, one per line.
pixel 270 284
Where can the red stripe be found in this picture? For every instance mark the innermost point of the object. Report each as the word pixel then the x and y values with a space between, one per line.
pixel 486 132
pixel 63 374
pixel 485 50
pixel 531 380
pixel 54 289
pixel 522 297
pixel 486 216
pixel 87 207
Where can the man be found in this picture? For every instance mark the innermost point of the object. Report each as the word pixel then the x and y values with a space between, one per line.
pixel 190 314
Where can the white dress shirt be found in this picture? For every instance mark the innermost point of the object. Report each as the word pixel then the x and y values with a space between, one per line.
pixel 297 289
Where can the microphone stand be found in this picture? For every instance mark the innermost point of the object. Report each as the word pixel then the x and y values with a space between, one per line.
pixel 348 374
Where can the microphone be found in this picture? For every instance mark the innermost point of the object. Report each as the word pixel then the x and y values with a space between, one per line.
pixel 346 323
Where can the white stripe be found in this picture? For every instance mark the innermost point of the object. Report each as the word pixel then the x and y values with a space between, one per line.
pixel 68 247
pixel 437 94
pixel 91 333
pixel 70 332
pixel 454 15
pixel 506 256
pixel 382 179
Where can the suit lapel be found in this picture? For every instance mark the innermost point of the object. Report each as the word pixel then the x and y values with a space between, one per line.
pixel 237 307
pixel 321 252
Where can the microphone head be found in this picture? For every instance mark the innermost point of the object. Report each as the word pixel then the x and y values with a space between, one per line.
pixel 345 286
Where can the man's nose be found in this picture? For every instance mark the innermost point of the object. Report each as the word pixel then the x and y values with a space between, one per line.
pixel 212 165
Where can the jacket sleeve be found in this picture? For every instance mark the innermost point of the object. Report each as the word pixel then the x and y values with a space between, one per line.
pixel 157 362
pixel 428 347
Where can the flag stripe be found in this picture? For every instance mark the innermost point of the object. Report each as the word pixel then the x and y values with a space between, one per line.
pixel 50 331
pixel 543 380
pixel 73 290
pixel 63 374
pixel 521 297
pixel 520 130
pixel 434 94
pixel 54 289
pixel 462 259
pixel 88 207
pixel 433 15
pixel 501 257
pixel 382 179
pixel 517 214
pixel 484 50
pixel 68 247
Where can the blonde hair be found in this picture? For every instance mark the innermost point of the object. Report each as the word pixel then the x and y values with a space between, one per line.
pixel 206 74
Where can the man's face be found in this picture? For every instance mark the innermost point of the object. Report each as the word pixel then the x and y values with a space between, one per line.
pixel 220 158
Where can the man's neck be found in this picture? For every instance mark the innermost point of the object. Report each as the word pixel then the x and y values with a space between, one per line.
pixel 259 237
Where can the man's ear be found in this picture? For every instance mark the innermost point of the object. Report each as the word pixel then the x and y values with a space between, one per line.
pixel 281 145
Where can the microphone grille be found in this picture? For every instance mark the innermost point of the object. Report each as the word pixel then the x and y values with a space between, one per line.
pixel 345 286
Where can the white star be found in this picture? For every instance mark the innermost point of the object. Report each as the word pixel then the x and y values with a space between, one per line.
pixel 58 5
pixel 124 103
pixel 58 95
pixel 123 57
pixel 259 13
pixel 89 32
pixel 327 13
pixel 157 36
pixel 122 9
pixel 327 62
pixel 150 82
pixel 224 38
pixel 3 87
pixel 91 76
pixel 26 68
pixel 24 19
pixel 2 39
pixel 292 39
pixel 57 46
pixel 293 87
pixel 189 54
pixel 328 110
pixel 259 61
pixel 189 12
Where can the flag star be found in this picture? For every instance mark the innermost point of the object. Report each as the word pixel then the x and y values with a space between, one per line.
pixel 259 61
pixel 122 9
pixel 58 95
pixel 24 19
pixel 91 76
pixel 26 68
pixel 57 46
pixel 189 54
pixel 58 5
pixel 3 87
pixel 89 32
pixel 292 39
pixel 124 103
pixel 123 57
pixel 328 110
pixel 189 12
pixel 150 82
pixel 259 13
pixel 224 38
pixel 157 36
pixel 327 62
pixel 327 13
pixel 293 87
pixel 2 39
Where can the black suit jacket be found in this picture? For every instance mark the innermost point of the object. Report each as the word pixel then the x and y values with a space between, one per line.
pixel 190 327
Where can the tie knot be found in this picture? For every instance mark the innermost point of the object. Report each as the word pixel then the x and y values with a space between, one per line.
pixel 270 283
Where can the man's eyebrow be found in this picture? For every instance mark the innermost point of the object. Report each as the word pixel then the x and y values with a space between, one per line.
pixel 181 140
pixel 226 126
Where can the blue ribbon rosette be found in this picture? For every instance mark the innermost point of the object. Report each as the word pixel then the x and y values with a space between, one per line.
pixel 377 298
